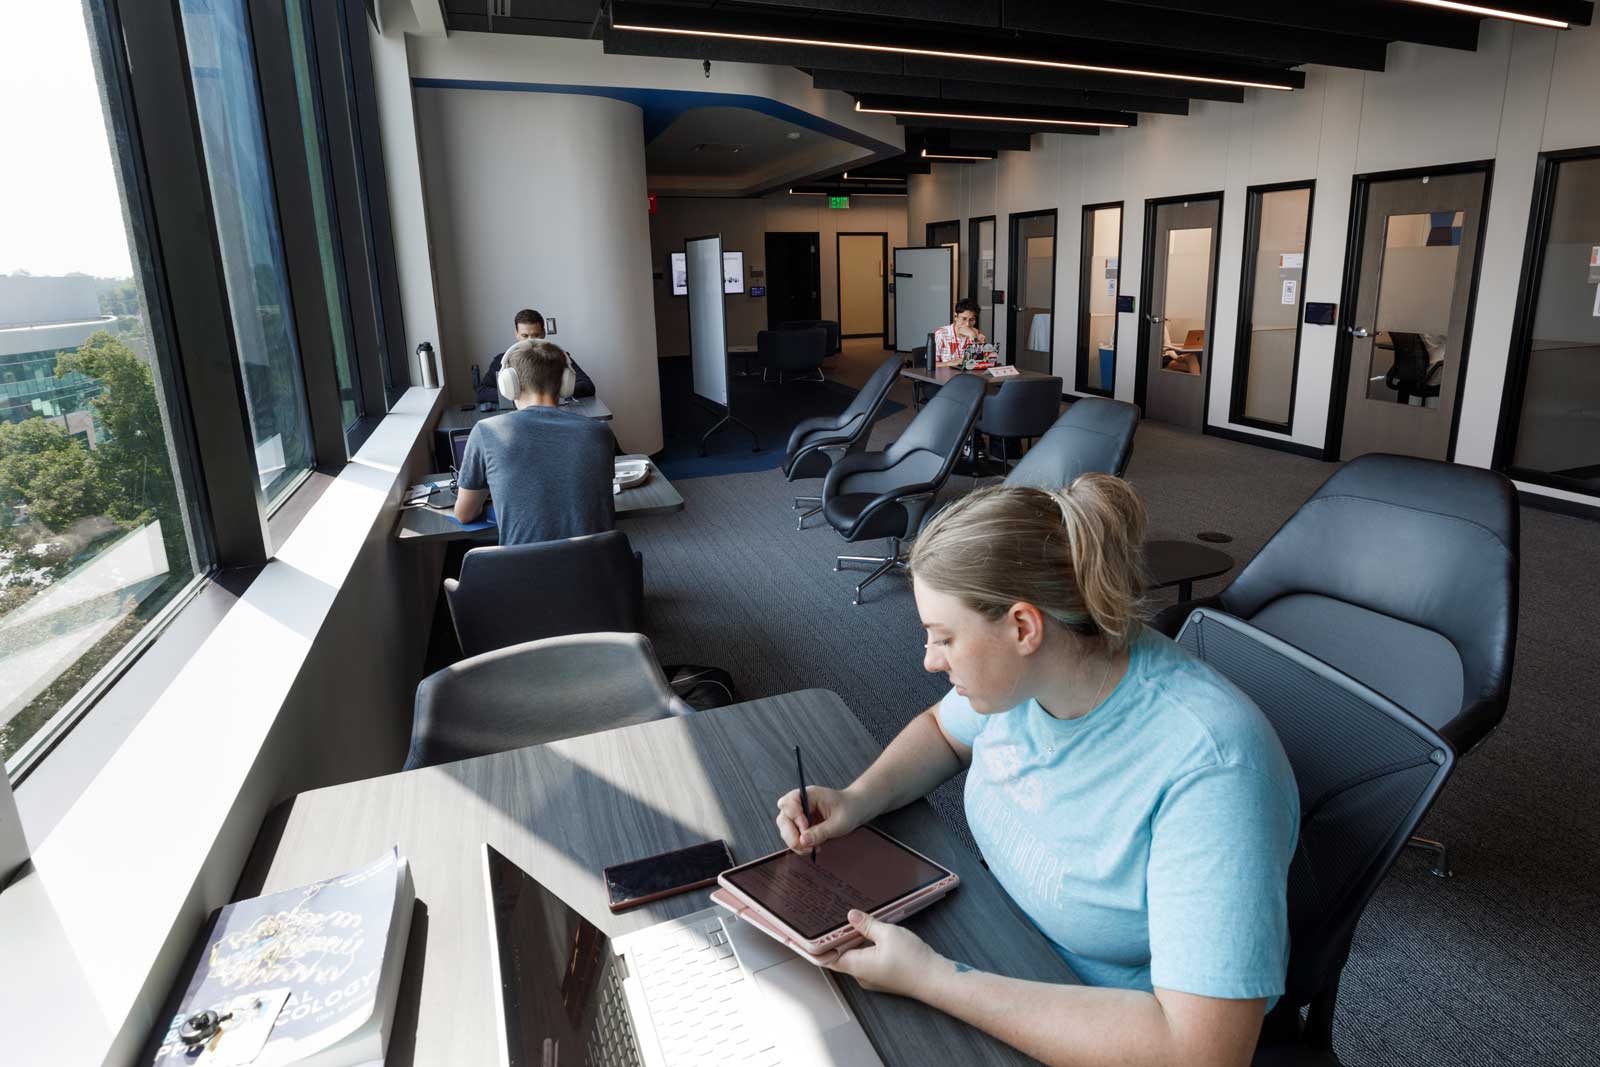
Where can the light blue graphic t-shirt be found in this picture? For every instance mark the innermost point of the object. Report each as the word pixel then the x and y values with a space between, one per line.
pixel 1149 839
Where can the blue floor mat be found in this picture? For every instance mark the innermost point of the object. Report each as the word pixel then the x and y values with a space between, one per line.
pixel 770 409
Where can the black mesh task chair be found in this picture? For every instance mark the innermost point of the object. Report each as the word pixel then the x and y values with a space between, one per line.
pixel 792 351
pixel 509 594
pixel 1402 573
pixel 1019 410
pixel 535 692
pixel 1412 374
pixel 1094 435
pixel 815 444
pixel 1366 771
pixel 886 494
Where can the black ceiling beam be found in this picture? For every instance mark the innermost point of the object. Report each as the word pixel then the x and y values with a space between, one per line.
pixel 620 42
pixel 1000 140
pixel 1012 127
pixel 996 92
pixel 870 34
pixel 1184 31
pixel 1030 115
pixel 1380 19
pixel 1235 39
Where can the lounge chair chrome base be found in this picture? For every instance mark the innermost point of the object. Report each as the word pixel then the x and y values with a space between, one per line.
pixel 892 562
pixel 815 504
pixel 1441 856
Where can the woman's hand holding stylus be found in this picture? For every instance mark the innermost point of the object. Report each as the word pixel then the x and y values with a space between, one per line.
pixel 834 813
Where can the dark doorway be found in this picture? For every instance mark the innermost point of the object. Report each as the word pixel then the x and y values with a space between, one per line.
pixel 794 278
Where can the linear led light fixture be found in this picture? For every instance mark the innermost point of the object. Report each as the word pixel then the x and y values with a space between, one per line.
pixel 939 53
pixel 807 192
pixel 952 155
pixel 1025 120
pixel 860 178
pixel 1494 13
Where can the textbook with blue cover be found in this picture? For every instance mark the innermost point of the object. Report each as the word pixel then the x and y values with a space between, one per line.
pixel 307 976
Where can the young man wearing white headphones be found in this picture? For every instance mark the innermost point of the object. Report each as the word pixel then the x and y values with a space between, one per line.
pixel 547 468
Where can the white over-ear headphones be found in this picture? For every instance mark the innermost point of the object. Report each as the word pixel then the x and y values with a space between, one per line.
pixel 510 385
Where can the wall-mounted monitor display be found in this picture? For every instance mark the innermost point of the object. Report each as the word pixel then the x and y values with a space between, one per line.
pixel 733 272
pixel 678 271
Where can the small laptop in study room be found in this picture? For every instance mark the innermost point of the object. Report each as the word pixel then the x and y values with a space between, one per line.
pixel 700 990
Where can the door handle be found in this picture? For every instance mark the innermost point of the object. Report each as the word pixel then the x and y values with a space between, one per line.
pixel 1154 319
pixel 1357 331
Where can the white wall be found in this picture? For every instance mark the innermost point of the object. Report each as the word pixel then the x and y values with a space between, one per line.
pixel 1525 90
pixel 520 223
pixel 744 225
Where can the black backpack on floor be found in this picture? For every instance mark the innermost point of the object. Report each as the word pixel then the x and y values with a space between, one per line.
pixel 702 688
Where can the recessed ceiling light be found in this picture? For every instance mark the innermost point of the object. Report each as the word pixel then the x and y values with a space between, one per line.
pixel 940 53
pixel 1024 120
pixel 1494 13
pixel 952 155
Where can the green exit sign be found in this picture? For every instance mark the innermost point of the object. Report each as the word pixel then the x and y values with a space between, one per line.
pixel 839 201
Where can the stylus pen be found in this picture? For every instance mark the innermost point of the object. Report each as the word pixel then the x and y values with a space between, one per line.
pixel 805 808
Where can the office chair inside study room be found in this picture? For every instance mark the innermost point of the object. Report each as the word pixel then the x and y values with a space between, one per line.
pixel 816 443
pixel 537 692
pixel 509 594
pixel 1403 574
pixel 886 494
pixel 1366 771
pixel 1094 435
pixel 1018 411
pixel 1412 374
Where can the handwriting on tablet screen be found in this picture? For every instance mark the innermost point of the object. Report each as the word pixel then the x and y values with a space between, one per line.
pixel 860 870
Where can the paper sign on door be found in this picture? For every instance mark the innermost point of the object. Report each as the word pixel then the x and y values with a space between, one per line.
pixel 1289 287
pixel 1291 261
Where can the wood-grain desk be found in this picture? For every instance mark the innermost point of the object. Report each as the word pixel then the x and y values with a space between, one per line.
pixel 921 376
pixel 563 811
pixel 657 496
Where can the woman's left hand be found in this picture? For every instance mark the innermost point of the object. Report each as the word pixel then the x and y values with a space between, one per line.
pixel 893 959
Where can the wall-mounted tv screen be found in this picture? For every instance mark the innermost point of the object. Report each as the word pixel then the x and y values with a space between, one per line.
pixel 733 272
pixel 678 271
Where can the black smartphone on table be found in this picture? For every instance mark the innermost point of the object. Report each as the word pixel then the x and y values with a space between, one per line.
pixel 654 877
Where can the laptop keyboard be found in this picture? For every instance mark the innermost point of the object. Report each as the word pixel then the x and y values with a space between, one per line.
pixel 696 993
pixel 611 1040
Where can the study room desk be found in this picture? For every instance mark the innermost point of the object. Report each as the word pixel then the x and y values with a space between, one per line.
pixel 454 418
pixel 921 376
pixel 564 810
pixel 656 496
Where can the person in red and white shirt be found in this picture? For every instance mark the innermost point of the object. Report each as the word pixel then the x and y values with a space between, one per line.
pixel 951 342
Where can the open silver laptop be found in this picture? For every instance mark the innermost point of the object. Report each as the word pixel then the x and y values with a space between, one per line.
pixel 699 991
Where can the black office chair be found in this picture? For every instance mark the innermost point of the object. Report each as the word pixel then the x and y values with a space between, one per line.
pixel 1366 771
pixel 1402 573
pixel 830 325
pixel 886 494
pixel 815 444
pixel 511 594
pixel 536 692
pixel 789 351
pixel 925 356
pixel 1094 435
pixel 1019 411
pixel 1412 374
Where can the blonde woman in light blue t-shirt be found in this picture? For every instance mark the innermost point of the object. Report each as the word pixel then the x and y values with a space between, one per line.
pixel 1133 802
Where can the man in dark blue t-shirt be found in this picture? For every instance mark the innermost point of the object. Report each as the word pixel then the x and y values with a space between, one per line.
pixel 529 325
pixel 548 469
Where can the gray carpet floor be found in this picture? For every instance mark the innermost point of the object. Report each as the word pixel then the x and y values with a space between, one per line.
pixel 1495 966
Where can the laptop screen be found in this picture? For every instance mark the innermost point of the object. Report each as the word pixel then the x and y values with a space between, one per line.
pixel 560 985
pixel 458 447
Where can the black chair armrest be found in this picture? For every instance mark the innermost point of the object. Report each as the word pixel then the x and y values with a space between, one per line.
pixel 805 427
pixel 1170 620
pixel 1476 722
pixel 883 500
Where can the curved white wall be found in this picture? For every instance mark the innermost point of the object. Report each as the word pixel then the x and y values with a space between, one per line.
pixel 538 200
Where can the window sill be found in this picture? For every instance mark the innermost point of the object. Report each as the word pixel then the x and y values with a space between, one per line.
pixel 97 925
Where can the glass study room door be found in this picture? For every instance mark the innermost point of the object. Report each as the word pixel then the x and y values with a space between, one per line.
pixel 1180 282
pixel 1030 336
pixel 1404 332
